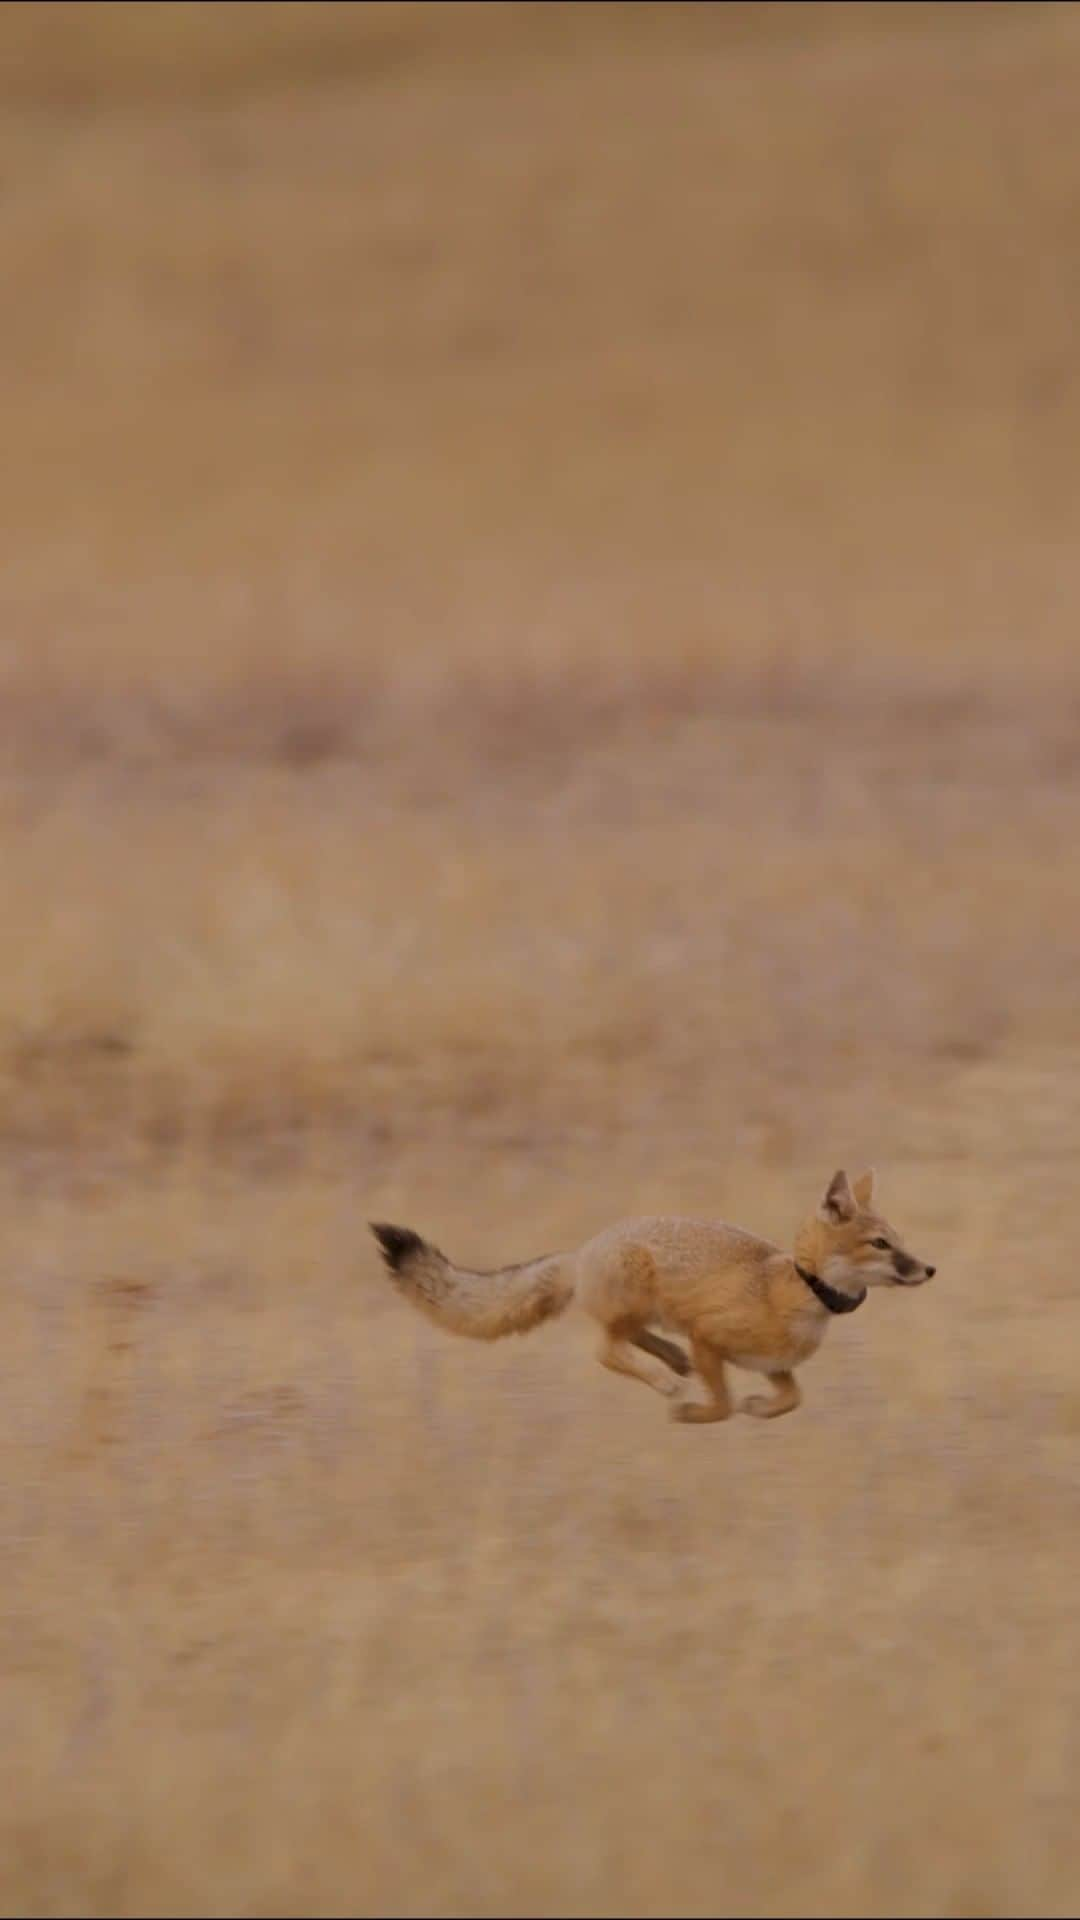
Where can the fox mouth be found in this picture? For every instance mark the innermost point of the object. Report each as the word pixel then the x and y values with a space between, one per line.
pixel 911 1279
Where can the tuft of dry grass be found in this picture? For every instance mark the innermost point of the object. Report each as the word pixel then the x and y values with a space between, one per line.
pixel 537 681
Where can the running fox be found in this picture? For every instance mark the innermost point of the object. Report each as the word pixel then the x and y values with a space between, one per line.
pixel 739 1300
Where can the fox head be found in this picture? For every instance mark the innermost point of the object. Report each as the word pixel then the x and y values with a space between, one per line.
pixel 848 1244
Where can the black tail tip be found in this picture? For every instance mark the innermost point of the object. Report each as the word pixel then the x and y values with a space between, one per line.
pixel 395 1243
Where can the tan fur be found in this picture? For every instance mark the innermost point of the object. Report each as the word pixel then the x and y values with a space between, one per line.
pixel 738 1300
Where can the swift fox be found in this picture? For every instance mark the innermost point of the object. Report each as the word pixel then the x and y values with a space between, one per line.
pixel 738 1300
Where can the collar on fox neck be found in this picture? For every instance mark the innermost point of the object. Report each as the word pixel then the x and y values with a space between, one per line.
pixel 830 1297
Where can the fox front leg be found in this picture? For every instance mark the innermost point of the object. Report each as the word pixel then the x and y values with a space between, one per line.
pixel 710 1365
pixel 769 1406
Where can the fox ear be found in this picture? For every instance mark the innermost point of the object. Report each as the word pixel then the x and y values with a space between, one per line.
pixel 863 1188
pixel 839 1201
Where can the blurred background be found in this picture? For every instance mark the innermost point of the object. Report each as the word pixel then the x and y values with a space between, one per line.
pixel 538 681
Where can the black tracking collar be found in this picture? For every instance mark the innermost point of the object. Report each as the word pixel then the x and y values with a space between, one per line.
pixel 829 1296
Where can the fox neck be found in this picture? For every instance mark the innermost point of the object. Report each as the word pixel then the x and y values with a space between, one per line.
pixel 830 1298
pixel 813 1255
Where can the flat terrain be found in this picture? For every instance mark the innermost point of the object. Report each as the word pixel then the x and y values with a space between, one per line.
pixel 538 681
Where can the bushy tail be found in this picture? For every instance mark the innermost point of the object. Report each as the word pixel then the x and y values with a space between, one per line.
pixel 483 1306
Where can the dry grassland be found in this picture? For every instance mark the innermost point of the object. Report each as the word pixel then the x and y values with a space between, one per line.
pixel 538 680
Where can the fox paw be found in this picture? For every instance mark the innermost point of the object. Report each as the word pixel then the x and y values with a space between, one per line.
pixel 695 1412
pixel 684 1410
pixel 759 1406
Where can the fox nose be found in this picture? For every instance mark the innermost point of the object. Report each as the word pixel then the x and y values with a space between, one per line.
pixel 930 1272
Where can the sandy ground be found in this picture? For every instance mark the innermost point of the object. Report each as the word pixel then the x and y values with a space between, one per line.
pixel 537 682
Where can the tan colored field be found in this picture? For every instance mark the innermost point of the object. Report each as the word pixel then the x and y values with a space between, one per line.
pixel 538 680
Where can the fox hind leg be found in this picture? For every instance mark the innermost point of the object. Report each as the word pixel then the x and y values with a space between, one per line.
pixel 619 1352
pixel 665 1350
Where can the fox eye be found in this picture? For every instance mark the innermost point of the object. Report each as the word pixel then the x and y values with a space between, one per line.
pixel 882 1245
